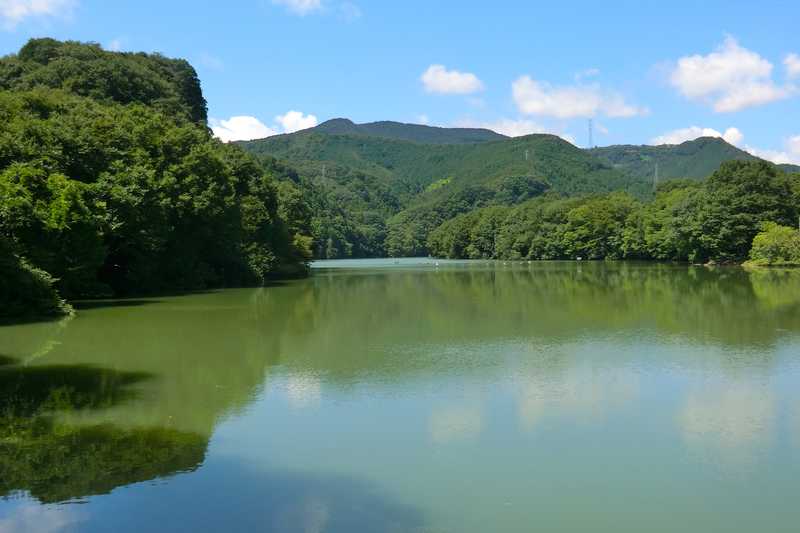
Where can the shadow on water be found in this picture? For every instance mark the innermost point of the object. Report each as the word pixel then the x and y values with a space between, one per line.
pixel 82 305
pixel 27 390
pixel 31 319
pixel 56 461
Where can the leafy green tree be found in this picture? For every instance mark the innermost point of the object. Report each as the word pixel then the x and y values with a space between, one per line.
pixel 776 245
pixel 111 183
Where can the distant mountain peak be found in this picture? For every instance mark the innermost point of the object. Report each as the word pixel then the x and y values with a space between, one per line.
pixel 419 133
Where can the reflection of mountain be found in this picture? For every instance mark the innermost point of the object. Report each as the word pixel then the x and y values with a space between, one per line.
pixel 55 461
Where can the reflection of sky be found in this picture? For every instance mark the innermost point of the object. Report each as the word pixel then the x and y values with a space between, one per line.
pixel 27 517
pixel 455 422
pixel 733 420
pixel 303 390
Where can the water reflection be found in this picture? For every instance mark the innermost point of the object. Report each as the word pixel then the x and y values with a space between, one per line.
pixel 571 382
pixel 25 517
pixel 732 422
pixel 55 461
pixel 456 422
pixel 360 400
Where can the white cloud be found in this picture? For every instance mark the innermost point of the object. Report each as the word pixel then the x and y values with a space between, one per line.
pixel 437 79
pixel 540 98
pixel 300 7
pixel 295 120
pixel 792 63
pixel 793 144
pixel 790 153
pixel 240 128
pixel 12 12
pixel 349 11
pixel 423 119
pixel 246 128
pixel 515 128
pixel 731 135
pixel 730 79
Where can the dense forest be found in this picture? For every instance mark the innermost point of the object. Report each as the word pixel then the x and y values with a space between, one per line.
pixel 390 189
pixel 377 195
pixel 713 220
pixel 112 184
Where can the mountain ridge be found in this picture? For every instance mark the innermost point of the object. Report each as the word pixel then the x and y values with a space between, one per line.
pixel 420 133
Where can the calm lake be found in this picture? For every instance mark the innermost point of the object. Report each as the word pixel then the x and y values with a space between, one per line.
pixel 414 396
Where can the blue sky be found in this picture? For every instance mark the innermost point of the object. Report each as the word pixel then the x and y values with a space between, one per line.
pixel 645 71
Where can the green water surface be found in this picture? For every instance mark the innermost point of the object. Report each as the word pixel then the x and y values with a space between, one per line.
pixel 414 396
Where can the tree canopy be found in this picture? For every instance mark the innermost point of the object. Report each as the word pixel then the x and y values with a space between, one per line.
pixel 114 189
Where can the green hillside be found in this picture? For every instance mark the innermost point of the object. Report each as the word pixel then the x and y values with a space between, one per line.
pixel 85 69
pixel 695 159
pixel 407 132
pixel 112 184
pixel 421 185
pixel 411 167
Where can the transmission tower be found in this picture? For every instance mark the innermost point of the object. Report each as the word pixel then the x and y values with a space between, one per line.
pixel 655 178
pixel 591 140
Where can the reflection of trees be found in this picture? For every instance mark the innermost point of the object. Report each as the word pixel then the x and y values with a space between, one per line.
pixel 354 323
pixel 54 461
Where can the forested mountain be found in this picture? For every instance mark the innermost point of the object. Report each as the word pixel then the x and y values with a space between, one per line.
pixel 421 185
pixel 407 132
pixel 375 195
pixel 111 184
pixel 695 159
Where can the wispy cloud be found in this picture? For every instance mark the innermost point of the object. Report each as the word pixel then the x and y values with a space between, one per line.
pixel 586 73
pixel 792 64
pixel 346 10
pixel 300 7
pixel 211 61
pixel 13 12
